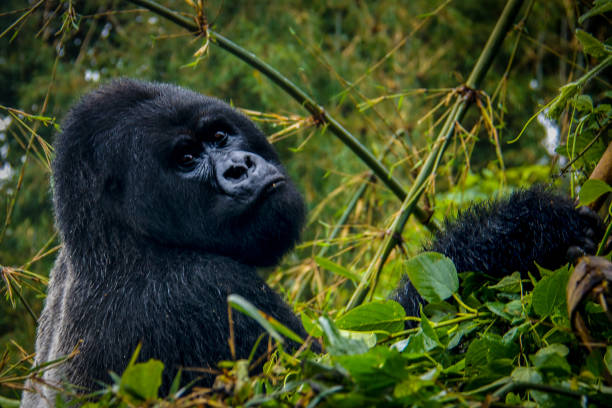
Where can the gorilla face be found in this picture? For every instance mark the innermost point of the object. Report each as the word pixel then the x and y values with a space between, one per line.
pixel 195 173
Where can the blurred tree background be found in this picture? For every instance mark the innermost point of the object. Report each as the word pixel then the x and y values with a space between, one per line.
pixel 385 69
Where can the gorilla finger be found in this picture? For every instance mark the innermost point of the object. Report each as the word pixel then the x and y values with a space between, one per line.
pixel 573 253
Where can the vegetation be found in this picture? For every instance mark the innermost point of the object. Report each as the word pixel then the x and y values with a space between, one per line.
pixel 431 105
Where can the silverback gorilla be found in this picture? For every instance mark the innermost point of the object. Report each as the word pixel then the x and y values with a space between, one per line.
pixel 166 202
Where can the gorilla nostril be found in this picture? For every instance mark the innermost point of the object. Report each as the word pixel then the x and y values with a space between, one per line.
pixel 235 173
pixel 249 162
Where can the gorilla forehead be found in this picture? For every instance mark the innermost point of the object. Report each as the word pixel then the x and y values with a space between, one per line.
pixel 148 113
pixel 164 107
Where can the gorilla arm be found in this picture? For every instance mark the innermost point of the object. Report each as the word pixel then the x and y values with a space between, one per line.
pixel 512 234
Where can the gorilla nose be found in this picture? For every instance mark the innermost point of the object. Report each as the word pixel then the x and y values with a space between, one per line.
pixel 244 174
pixel 239 166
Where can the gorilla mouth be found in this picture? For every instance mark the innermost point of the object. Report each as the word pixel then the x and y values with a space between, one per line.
pixel 272 186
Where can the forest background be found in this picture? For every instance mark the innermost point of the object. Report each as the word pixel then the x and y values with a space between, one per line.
pixel 391 73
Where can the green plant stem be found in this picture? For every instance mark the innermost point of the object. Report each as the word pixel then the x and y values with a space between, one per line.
pixel 604 240
pixel 445 323
pixel 462 304
pixel 370 277
pixel 316 110
pixel 512 386
pixel 594 72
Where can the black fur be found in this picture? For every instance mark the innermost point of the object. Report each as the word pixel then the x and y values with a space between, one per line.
pixel 507 235
pixel 152 247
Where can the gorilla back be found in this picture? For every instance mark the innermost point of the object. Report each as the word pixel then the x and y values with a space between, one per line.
pixel 166 201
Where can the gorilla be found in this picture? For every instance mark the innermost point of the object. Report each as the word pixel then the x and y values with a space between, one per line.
pixel 167 201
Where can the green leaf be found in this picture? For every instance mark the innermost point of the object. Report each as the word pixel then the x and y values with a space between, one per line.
pixel 488 349
pixel 310 325
pixel 591 190
pixel 416 345
pixel 142 380
pixel 270 324
pixel 381 315
pixel 377 369
pixel 599 7
pixel 552 359
pixel 433 275
pixel 336 344
pixel 582 103
pixel 498 308
pixel 590 44
pixel 428 329
pixel 530 375
pixel 608 358
pixel 549 293
pixel 526 374
pixel 337 269
pixel 176 382
pixel 557 105
pixel 509 284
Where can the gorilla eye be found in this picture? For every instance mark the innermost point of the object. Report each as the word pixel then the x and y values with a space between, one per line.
pixel 219 138
pixel 186 160
pixel 185 155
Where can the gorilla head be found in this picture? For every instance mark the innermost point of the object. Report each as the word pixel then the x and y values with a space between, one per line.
pixel 163 164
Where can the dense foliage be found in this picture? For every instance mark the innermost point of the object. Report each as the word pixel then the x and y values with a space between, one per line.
pixel 390 73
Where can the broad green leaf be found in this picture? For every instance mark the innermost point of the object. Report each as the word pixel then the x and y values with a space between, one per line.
pixel 428 329
pixel 591 190
pixel 413 386
pixel 142 380
pixel 433 275
pixel 526 374
pixel 270 324
pixel 310 325
pixel 530 375
pixel 549 293
pixel 515 331
pixel 337 269
pixel 590 44
pixel 336 344
pixel 509 284
pixel 368 338
pixel 381 315
pixel 415 345
pixel 552 359
pixel 489 349
pixel 498 309
pixel 376 369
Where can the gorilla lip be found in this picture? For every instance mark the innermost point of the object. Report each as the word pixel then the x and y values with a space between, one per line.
pixel 273 185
